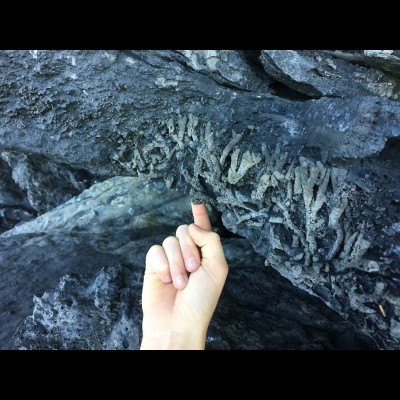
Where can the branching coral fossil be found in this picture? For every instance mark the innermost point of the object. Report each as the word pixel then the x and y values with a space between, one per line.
pixel 236 173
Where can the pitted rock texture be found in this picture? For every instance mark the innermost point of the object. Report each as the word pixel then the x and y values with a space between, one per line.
pixel 35 175
pixel 86 264
pixel 312 73
pixel 14 204
pixel 105 312
pixel 115 221
pixel 298 150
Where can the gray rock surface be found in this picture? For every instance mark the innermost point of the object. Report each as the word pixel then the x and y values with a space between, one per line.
pixel 14 203
pixel 318 74
pixel 228 68
pixel 384 60
pixel 312 184
pixel 81 315
pixel 35 175
pixel 253 313
pixel 108 223
pixel 31 185
pixel 86 289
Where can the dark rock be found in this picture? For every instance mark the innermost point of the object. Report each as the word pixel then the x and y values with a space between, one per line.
pixel 102 314
pixel 97 304
pixel 258 310
pixel 14 204
pixel 106 126
pixel 37 175
pixel 316 74
pixel 228 68
pixel 114 221
pixel 387 61
pixel 312 184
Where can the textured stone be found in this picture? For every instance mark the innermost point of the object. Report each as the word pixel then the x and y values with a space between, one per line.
pixel 102 314
pixel 35 175
pixel 14 204
pixel 388 61
pixel 100 261
pixel 257 310
pixel 312 184
pixel 227 67
pixel 112 222
pixel 317 74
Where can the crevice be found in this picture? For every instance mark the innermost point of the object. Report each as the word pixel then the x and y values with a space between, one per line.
pixel 221 82
pixel 285 92
pixel 391 149
pixel 252 58
pixel 353 57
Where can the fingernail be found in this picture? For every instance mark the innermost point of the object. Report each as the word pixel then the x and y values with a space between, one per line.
pixel 192 263
pixel 180 280
pixel 167 278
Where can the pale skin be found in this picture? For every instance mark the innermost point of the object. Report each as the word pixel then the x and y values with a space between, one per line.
pixel 183 281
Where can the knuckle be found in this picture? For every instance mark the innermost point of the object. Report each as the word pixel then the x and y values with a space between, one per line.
pixel 153 250
pixel 161 268
pixel 181 229
pixel 169 240
pixel 215 237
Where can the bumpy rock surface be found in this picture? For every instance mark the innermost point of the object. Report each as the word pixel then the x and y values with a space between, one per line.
pixel 14 203
pixel 298 150
pixel 86 264
pixel 112 222
pixel 99 307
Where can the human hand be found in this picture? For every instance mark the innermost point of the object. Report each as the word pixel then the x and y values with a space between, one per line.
pixel 177 307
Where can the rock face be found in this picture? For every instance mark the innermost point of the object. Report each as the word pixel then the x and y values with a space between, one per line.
pixel 99 307
pixel 312 73
pixel 14 204
pixel 112 222
pixel 297 149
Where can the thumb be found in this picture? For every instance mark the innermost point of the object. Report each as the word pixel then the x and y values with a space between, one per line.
pixel 210 246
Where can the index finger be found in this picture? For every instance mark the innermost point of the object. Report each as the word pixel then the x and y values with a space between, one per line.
pixel 200 216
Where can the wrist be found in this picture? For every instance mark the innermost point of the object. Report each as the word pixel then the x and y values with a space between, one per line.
pixel 174 341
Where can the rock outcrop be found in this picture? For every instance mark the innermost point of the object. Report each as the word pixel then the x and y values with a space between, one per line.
pixel 97 303
pixel 296 149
